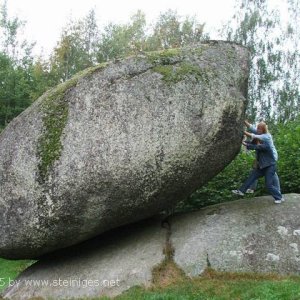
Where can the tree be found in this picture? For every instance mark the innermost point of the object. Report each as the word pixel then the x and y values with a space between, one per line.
pixel 167 31
pixel 69 56
pixel 137 32
pixel 273 91
pixel 11 42
pixel 133 37
pixel 41 78
pixel 115 42
pixel 120 40
pixel 6 98
pixel 288 94
pixel 76 49
pixel 170 32
pixel 91 36
pixel 16 61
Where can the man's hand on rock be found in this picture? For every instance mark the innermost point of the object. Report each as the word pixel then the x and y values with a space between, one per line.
pixel 247 123
pixel 248 134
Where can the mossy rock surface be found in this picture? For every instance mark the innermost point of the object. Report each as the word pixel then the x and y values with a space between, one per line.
pixel 119 143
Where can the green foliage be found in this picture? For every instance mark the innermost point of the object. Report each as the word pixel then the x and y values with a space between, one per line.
pixel 14 89
pixel 41 78
pixel 76 49
pixel 170 31
pixel 115 42
pixel 287 141
pixel 10 40
pixel 288 145
pixel 119 40
pixel 16 63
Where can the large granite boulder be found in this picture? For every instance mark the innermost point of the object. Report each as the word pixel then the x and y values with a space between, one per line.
pixel 251 235
pixel 118 144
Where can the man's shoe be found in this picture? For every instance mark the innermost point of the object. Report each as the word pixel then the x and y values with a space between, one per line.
pixel 279 201
pixel 238 192
pixel 250 191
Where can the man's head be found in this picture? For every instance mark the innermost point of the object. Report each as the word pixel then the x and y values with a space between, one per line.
pixel 262 128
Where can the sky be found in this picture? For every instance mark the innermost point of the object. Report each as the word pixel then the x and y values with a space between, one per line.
pixel 46 18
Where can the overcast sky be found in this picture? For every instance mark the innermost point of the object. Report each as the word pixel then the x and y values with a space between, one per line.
pixel 46 18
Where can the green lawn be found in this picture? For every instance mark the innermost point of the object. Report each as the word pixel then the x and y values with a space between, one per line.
pixel 211 286
pixel 220 290
pixel 9 269
pixel 222 286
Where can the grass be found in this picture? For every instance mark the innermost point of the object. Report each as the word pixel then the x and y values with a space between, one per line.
pixel 214 285
pixel 211 285
pixel 9 270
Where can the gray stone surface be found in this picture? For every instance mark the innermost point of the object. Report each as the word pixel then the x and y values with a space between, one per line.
pixel 102 266
pixel 119 144
pixel 250 235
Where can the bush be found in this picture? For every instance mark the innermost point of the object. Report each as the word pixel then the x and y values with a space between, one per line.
pixel 287 140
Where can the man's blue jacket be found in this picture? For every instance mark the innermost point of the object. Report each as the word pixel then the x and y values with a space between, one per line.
pixel 264 154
